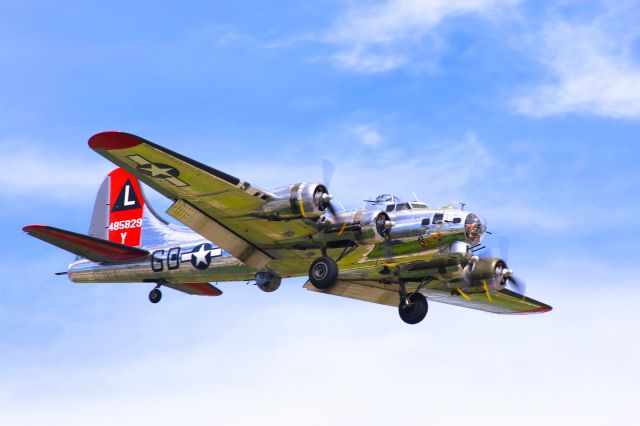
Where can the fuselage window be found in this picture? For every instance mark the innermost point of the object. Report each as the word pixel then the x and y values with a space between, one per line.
pixel 457 220
pixel 403 206
pixel 418 206
pixel 437 218
pixel 425 222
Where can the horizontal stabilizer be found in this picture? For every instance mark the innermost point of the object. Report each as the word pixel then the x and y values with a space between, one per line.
pixel 92 248
pixel 200 289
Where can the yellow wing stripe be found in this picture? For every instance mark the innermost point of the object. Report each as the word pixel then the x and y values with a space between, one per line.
pixel 486 290
pixel 463 294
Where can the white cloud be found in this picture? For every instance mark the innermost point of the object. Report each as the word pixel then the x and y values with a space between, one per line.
pixel 297 357
pixel 366 134
pixel 58 174
pixel 437 171
pixel 593 70
pixel 379 37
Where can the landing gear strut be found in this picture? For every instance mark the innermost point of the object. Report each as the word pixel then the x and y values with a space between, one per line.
pixel 155 295
pixel 413 306
pixel 323 272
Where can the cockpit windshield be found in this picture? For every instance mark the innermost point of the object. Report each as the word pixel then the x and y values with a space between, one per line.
pixel 387 198
pixel 473 228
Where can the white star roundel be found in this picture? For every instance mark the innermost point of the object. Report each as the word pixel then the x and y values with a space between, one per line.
pixel 201 256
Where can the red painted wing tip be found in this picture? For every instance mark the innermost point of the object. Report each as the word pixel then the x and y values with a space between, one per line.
pixel 31 228
pixel 113 140
pixel 540 310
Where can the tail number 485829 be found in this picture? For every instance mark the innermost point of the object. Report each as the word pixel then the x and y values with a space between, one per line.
pixel 125 224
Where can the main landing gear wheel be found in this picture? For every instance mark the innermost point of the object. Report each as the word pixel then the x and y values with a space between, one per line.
pixel 413 308
pixel 323 272
pixel 155 295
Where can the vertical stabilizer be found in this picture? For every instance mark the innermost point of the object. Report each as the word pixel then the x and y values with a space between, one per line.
pixel 118 210
pixel 121 214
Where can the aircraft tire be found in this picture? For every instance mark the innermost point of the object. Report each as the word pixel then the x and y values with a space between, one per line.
pixel 414 312
pixel 323 272
pixel 155 295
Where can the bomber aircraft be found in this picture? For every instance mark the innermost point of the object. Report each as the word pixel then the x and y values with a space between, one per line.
pixel 390 252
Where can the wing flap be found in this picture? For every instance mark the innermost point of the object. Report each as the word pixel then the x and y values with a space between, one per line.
pixel 92 248
pixel 367 291
pixel 211 229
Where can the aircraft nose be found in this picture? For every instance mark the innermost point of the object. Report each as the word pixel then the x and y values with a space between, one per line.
pixel 474 228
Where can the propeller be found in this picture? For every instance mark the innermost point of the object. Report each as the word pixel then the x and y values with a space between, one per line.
pixel 328 169
pixel 502 243
pixel 383 226
pixel 517 284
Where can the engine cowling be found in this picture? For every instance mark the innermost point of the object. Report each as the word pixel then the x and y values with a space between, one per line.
pixel 301 200
pixel 375 227
pixel 492 271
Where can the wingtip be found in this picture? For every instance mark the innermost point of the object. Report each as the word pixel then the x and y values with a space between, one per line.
pixel 31 228
pixel 113 140
pixel 538 310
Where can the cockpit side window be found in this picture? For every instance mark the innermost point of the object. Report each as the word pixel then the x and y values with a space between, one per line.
pixel 391 207
pixel 437 218
pixel 403 206
pixel 418 206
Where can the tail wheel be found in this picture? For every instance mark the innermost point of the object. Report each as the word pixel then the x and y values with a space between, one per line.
pixel 413 308
pixel 323 272
pixel 155 295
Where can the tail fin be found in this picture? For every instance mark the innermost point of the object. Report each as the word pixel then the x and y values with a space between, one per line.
pixel 123 215
pixel 118 210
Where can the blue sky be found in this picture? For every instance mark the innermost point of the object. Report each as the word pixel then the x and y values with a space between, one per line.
pixel 528 111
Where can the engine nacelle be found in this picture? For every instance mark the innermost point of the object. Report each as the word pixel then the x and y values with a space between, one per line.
pixel 491 271
pixel 301 200
pixel 375 227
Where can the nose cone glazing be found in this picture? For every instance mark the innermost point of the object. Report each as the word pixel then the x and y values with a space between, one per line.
pixel 474 228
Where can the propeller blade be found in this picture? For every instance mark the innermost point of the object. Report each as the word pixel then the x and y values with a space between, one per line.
pixel 328 168
pixel 331 208
pixel 503 248
pixel 518 285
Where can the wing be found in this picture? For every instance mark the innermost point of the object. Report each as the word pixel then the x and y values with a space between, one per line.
pixel 501 302
pixel 213 203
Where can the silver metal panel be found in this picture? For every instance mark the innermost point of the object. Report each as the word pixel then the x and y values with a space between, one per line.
pixel 99 226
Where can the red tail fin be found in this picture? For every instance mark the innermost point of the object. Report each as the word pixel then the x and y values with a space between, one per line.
pixel 126 206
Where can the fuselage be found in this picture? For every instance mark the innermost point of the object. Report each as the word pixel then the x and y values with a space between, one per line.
pixel 418 233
